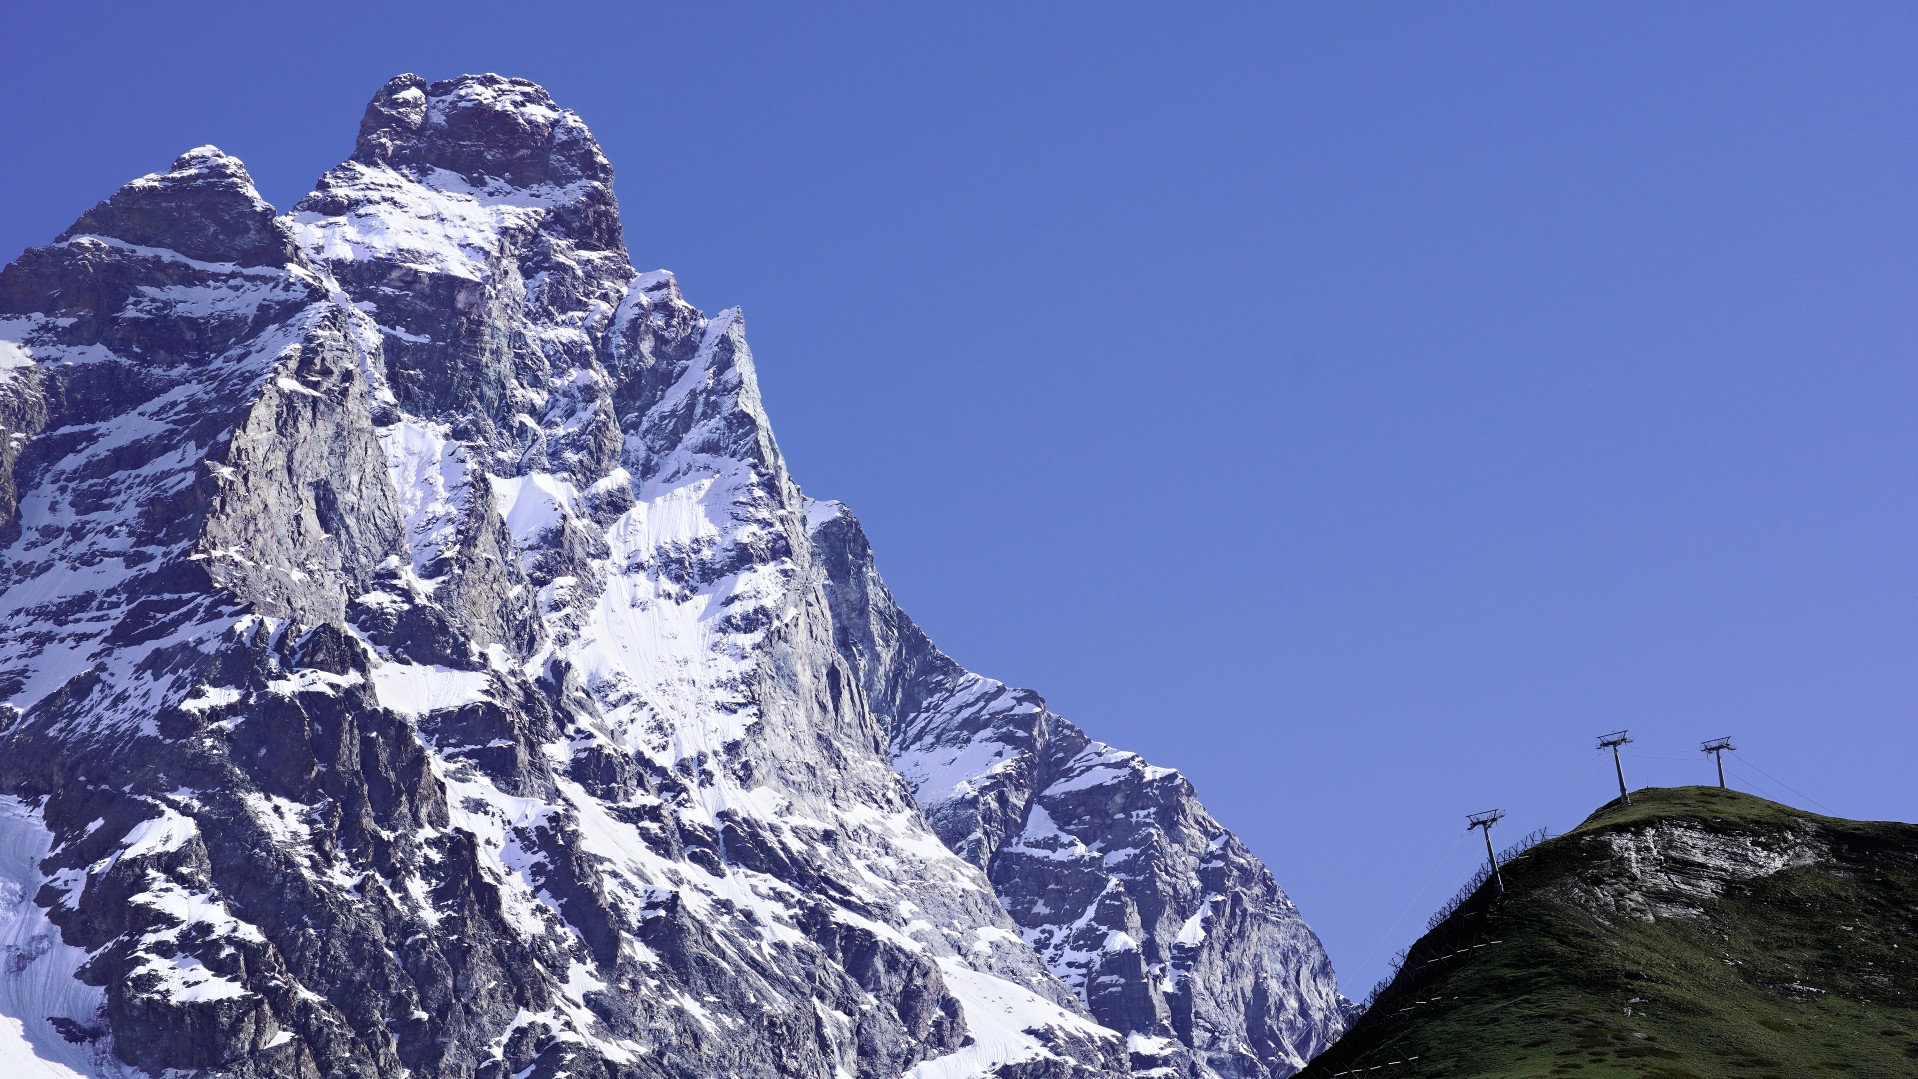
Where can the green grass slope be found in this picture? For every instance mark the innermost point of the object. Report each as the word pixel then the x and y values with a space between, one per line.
pixel 1695 934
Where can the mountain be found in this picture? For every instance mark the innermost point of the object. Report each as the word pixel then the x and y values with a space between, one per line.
pixel 1697 933
pixel 1158 918
pixel 419 660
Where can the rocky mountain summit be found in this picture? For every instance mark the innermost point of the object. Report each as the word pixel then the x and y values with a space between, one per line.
pixel 418 660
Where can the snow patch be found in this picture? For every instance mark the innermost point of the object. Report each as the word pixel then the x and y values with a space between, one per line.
pixel 431 475
pixel 533 504
pixel 13 357
pixel 821 510
pixel 163 834
pixel 37 969
pixel 1001 1017
pixel 417 689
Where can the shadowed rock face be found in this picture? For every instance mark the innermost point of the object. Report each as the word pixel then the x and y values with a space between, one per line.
pixel 203 208
pixel 418 660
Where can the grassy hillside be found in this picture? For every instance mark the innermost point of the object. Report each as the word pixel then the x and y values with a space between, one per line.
pixel 1664 941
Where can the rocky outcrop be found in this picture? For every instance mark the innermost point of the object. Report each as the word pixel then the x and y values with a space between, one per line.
pixel 419 660
pixel 1159 918
pixel 1676 868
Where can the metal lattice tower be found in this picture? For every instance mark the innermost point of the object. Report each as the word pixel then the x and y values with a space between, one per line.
pixel 1717 747
pixel 1612 741
pixel 1485 820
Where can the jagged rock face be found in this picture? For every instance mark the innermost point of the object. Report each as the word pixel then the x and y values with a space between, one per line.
pixel 1677 868
pixel 419 661
pixel 1160 919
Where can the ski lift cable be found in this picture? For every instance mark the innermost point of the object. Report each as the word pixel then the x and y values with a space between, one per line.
pixel 1522 800
pixel 1525 800
pixel 1754 782
pixel 1787 786
pixel 1443 862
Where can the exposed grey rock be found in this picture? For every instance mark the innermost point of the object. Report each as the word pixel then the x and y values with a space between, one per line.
pixel 419 662
pixel 1165 924
pixel 1676 868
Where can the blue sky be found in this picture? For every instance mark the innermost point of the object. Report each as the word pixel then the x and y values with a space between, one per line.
pixel 1356 407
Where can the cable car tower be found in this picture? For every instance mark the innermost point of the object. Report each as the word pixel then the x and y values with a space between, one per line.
pixel 1485 820
pixel 1717 747
pixel 1612 741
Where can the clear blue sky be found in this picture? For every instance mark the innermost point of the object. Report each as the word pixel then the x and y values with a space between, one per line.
pixel 1356 406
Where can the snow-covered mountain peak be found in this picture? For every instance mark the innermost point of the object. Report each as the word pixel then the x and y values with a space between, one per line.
pixel 422 661
pixel 397 111
pixel 205 207
pixel 494 137
pixel 212 160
